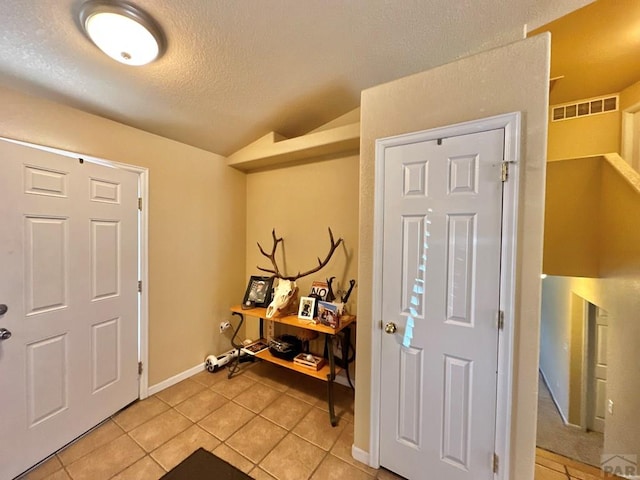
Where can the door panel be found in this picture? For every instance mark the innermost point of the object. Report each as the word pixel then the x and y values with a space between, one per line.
pixel 597 396
pixel 105 265
pixel 105 353
pixel 68 248
pixel 441 271
pixel 46 258
pixel 410 411
pixel 460 233
pixel 47 378
pixel 457 406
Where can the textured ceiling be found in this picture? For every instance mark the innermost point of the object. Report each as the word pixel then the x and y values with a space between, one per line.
pixel 237 69
pixel 596 49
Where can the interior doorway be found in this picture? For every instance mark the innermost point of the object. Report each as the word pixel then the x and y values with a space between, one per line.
pixel 572 390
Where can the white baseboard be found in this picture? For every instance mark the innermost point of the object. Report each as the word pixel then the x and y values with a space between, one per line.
pixel 361 456
pixel 158 387
pixel 553 398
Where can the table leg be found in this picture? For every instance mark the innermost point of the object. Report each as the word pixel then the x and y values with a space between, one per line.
pixel 330 378
pixel 346 343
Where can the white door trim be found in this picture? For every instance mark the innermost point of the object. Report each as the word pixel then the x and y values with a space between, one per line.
pixel 143 185
pixel 628 134
pixel 511 123
pixel 584 391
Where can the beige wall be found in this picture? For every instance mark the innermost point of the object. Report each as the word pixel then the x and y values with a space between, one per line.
pixel 562 345
pixel 555 340
pixel 620 298
pixel 507 79
pixel 581 137
pixel 630 96
pixel 571 227
pixel 196 223
pixel 618 292
pixel 300 202
pixel 592 135
pixel 620 211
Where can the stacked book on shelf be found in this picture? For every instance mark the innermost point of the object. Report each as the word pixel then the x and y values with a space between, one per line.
pixel 255 347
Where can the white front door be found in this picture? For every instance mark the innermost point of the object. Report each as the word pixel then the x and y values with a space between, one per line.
pixel 441 273
pixel 68 250
pixel 597 397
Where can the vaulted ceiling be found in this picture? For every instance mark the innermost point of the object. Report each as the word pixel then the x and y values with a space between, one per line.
pixel 237 69
pixel 595 50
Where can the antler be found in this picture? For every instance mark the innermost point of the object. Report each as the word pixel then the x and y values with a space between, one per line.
pixel 276 271
pixel 272 256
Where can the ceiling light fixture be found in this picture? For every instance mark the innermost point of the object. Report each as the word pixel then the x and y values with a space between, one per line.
pixel 122 31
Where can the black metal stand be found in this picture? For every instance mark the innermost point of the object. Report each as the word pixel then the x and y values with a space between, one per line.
pixel 234 365
pixel 331 376
pixel 328 347
pixel 346 344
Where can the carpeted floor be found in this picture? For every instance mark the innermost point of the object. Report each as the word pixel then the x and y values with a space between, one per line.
pixel 553 435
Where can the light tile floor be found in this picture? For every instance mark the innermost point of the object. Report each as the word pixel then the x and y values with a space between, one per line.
pixel 269 422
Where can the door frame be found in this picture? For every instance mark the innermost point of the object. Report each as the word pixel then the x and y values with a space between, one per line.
pixel 628 134
pixel 511 123
pixel 585 307
pixel 143 248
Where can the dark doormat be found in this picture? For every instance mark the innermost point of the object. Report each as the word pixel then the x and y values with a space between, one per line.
pixel 203 465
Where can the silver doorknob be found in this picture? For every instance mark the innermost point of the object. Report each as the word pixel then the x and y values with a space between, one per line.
pixel 3 309
pixel 390 328
pixel 5 334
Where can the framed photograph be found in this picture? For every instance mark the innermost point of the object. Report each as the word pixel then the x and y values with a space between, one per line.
pixel 307 307
pixel 258 293
pixel 329 314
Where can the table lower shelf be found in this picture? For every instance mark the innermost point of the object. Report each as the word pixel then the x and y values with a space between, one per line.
pixel 322 374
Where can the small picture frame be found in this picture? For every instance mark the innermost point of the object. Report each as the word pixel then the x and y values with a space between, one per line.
pixel 307 308
pixel 258 293
pixel 329 314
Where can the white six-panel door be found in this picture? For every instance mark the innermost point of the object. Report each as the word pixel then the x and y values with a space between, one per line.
pixel 441 271
pixel 598 326
pixel 68 250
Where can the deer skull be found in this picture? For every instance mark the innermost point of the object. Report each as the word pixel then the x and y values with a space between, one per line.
pixel 284 292
pixel 286 288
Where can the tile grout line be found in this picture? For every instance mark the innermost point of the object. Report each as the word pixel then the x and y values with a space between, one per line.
pixel 222 442
pixel 289 431
pixel 257 465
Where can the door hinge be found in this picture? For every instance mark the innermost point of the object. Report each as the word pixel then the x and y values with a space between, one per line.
pixel 496 462
pixel 140 203
pixel 504 171
pixel 139 368
pixel 139 286
pixel 500 320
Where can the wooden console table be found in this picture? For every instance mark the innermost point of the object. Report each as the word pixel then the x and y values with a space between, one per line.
pixel 327 373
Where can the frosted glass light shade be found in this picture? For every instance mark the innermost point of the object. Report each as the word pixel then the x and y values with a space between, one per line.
pixel 123 32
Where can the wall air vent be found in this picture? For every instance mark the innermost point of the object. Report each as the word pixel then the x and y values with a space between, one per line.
pixel 583 108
